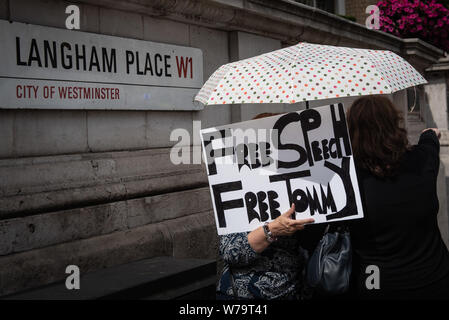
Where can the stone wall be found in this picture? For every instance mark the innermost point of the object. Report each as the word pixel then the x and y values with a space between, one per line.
pixel 357 9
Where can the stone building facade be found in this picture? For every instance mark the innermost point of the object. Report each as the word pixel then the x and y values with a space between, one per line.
pixel 357 9
pixel 96 188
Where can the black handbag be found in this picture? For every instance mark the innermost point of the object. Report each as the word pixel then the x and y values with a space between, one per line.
pixel 329 268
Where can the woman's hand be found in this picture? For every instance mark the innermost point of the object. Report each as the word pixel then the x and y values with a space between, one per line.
pixel 437 132
pixel 284 225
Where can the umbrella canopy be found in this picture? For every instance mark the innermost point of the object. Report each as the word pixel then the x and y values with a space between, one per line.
pixel 306 72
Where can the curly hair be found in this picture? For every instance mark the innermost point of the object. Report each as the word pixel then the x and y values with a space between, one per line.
pixel 379 142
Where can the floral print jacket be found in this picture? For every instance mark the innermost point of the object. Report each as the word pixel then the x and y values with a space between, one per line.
pixel 276 273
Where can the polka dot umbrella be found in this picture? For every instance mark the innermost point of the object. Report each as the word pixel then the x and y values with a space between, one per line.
pixel 305 72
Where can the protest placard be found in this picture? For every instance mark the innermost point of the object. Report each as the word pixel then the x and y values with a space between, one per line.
pixel 257 168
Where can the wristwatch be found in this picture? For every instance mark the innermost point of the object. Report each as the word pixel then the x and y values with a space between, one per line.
pixel 268 233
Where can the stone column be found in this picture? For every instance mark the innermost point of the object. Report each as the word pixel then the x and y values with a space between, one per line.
pixel 436 115
pixel 436 95
pixel 400 101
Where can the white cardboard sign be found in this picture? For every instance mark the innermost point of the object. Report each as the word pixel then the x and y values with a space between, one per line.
pixel 257 168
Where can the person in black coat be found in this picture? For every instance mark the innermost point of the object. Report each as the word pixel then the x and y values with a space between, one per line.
pixel 398 249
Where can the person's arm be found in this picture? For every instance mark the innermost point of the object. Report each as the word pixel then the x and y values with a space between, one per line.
pixel 430 136
pixel 283 225
pixel 429 140
pixel 235 249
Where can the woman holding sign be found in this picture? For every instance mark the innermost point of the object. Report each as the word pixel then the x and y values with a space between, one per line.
pixel 268 262
pixel 398 249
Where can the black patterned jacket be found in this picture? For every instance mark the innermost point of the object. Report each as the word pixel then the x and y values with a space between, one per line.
pixel 276 273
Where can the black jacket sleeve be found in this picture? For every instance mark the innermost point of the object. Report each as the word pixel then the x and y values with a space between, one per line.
pixel 430 143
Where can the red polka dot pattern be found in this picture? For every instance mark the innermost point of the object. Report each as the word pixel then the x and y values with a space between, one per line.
pixel 308 72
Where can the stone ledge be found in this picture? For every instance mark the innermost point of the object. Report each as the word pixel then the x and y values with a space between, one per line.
pixel 441 66
pixel 42 184
pixel 420 53
pixel 163 277
pixel 196 239
pixel 283 20
pixel 444 140
pixel 42 230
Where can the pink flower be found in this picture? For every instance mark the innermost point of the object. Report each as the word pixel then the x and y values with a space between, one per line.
pixel 427 20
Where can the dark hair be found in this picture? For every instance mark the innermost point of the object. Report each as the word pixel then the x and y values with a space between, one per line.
pixel 378 140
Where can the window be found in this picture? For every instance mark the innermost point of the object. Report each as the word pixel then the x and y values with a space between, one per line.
pixel 326 5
